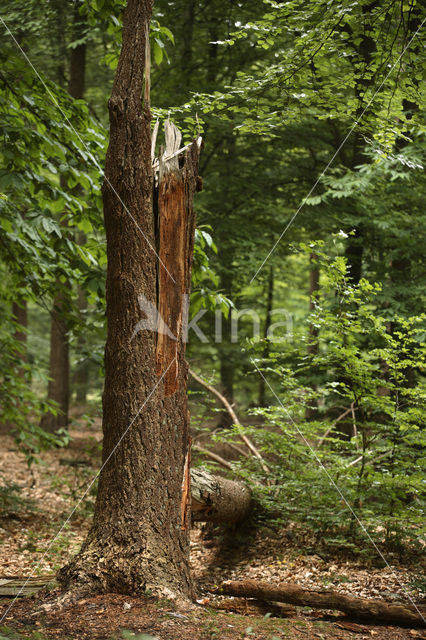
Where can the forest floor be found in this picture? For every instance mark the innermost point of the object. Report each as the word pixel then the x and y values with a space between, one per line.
pixel 34 542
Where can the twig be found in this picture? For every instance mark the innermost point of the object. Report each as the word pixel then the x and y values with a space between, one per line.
pixel 343 415
pixel 355 431
pixel 241 452
pixel 384 455
pixel 234 417
pixel 213 456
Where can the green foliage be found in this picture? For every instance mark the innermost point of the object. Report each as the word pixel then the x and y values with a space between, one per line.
pixel 357 479
pixel 204 294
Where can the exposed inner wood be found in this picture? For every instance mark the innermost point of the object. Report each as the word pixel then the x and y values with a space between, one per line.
pixel 176 228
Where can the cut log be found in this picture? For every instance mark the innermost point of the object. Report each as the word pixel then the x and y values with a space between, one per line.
pixel 375 610
pixel 216 499
pixel 253 607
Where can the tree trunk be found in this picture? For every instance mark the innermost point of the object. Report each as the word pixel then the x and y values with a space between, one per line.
pixel 217 499
pixel 76 88
pixel 365 49
pixel 265 355
pixel 81 373
pixel 20 314
pixel 357 607
pixel 139 538
pixel 59 362
pixel 58 388
pixel 226 349
pixel 312 348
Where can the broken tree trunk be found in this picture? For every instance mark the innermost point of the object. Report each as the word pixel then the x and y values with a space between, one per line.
pixel 139 538
pixel 216 499
pixel 291 593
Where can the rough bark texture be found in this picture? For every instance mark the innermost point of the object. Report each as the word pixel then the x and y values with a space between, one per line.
pixel 216 499
pixel 139 539
pixel 356 607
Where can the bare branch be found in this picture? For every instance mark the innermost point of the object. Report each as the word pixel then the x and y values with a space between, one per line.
pixel 234 417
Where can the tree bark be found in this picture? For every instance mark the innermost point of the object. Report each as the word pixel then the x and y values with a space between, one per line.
pixel 139 538
pixel 357 607
pixel 217 499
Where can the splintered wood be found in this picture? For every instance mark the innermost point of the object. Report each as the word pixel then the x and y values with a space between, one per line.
pixel 176 227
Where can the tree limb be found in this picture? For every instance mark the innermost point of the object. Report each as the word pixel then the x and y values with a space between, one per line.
pixel 234 417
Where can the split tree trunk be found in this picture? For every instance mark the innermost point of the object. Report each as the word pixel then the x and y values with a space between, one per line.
pixel 357 607
pixel 139 538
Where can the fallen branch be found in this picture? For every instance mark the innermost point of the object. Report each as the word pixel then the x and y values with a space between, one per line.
pixel 234 417
pixel 213 456
pixel 291 593
pixel 253 607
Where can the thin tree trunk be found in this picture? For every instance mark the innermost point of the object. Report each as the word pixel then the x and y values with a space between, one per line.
pixel 59 361
pixel 81 373
pixel 58 387
pixel 313 332
pixel 365 50
pixel 226 353
pixel 139 538
pixel 265 355
pixel 20 314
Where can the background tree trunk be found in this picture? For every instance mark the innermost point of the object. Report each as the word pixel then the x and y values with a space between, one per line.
pixel 314 284
pixel 58 388
pixel 269 302
pixel 140 534
pixel 59 360
pixel 20 314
